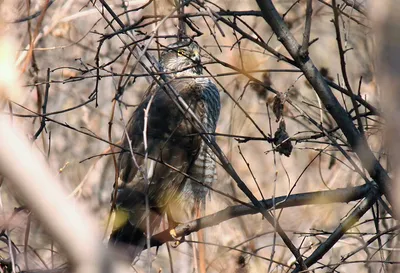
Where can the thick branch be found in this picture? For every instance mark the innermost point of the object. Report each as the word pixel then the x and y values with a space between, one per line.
pixel 353 218
pixel 357 143
pixel 321 197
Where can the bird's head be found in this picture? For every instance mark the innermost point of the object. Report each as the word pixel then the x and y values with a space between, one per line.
pixel 182 57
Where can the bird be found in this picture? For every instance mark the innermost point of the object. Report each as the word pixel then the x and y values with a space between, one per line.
pixel 174 148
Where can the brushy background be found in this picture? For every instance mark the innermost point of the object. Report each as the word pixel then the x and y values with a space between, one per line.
pixel 68 41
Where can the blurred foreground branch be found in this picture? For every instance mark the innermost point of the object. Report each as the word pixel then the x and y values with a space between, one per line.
pixel 387 27
pixel 74 230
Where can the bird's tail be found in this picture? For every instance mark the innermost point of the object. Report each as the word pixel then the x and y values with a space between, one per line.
pixel 130 225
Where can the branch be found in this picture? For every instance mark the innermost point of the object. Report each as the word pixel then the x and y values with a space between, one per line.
pixel 354 4
pixel 321 197
pixel 367 243
pixel 307 29
pixel 357 143
pixel 353 218
pixel 44 106
pixel 74 230
pixel 343 64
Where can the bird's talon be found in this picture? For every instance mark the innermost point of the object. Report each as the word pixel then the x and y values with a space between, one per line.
pixel 178 241
pixel 175 244
pixel 172 232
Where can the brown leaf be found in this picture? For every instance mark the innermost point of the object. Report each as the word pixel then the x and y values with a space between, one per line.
pixel 277 106
pixel 282 141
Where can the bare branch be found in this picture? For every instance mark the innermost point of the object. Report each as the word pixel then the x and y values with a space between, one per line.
pixel 303 51
pixel 358 144
pixel 294 200
pixel 353 218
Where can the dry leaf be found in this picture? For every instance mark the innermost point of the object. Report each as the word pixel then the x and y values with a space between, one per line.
pixel 277 106
pixel 282 141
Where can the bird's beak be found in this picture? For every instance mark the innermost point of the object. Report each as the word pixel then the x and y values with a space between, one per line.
pixel 196 56
pixel 196 60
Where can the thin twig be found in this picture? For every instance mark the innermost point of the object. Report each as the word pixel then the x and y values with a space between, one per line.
pixel 303 51
pixel 358 144
pixel 44 106
pixel 358 212
pixel 343 65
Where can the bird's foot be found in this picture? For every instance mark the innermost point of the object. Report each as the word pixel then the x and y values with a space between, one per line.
pixel 172 232
pixel 178 241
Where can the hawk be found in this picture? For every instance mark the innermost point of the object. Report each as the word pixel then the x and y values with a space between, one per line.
pixel 174 148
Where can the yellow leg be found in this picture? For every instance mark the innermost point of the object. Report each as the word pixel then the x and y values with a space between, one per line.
pixel 201 245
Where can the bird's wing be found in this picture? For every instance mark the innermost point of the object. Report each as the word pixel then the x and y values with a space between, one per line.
pixel 172 141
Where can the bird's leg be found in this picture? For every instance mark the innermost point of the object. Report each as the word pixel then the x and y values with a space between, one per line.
pixel 172 224
pixel 200 212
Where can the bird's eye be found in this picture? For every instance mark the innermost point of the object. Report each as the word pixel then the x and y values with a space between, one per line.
pixel 181 52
